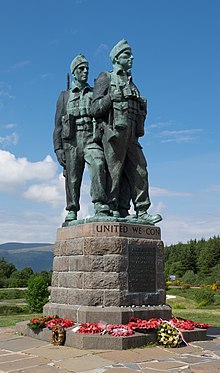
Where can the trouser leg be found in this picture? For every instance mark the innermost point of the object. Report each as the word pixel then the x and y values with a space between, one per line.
pixel 136 171
pixel 74 171
pixel 94 157
pixel 115 152
pixel 125 195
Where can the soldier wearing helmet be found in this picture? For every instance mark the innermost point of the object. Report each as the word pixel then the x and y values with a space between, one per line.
pixel 75 145
pixel 121 111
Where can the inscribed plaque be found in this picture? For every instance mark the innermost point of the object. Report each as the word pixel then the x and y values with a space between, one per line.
pixel 141 269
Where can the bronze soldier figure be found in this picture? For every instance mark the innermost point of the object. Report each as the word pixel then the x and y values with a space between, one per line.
pixel 74 143
pixel 120 110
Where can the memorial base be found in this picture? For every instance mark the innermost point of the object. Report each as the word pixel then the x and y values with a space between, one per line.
pixel 111 272
pixel 110 315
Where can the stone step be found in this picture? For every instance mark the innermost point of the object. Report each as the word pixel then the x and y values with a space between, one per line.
pixel 105 342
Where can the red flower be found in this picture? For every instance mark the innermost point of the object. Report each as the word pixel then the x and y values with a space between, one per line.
pixel 119 330
pixel 202 326
pixel 139 324
pixel 184 324
pixel 66 323
pixel 90 328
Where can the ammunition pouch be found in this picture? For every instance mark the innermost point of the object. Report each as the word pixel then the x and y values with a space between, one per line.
pixel 142 112
pixel 68 127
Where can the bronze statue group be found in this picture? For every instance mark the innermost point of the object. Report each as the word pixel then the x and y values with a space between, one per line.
pixel 100 127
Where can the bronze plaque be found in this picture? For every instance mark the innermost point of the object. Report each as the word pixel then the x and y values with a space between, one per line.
pixel 141 269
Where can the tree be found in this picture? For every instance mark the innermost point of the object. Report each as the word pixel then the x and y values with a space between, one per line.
pixel 46 275
pixel 20 278
pixel 176 269
pixel 6 270
pixel 37 293
pixel 189 277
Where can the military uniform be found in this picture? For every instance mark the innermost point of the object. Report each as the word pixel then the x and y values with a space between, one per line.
pixel 74 134
pixel 123 122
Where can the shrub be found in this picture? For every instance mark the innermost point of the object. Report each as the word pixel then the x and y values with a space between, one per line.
pixel 204 297
pixel 185 286
pixel 10 309
pixel 189 277
pixel 37 293
pixel 214 287
pixel 179 306
pixel 12 294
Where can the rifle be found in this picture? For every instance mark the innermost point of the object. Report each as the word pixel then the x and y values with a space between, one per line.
pixel 67 81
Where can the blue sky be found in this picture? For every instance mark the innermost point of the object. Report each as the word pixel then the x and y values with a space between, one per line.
pixel 176 66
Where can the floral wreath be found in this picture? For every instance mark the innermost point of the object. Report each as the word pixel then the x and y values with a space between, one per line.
pixel 58 335
pixel 119 330
pixel 169 333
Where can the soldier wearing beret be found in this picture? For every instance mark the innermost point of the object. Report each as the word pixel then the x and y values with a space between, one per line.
pixel 74 143
pixel 121 111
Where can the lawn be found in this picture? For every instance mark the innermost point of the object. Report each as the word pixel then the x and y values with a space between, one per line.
pixel 185 306
pixel 11 320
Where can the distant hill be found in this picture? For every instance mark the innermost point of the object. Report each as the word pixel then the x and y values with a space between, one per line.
pixel 38 256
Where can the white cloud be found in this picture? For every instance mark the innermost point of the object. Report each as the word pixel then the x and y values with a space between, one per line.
pixel 176 228
pixel 45 75
pixel 155 191
pixel 15 172
pixel 28 226
pixel 10 125
pixel 179 136
pixel 102 48
pixel 52 193
pixel 7 140
pixel 19 65
pixel 161 124
pixel 214 188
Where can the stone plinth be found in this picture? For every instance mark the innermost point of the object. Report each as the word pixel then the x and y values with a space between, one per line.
pixel 101 269
pixel 106 342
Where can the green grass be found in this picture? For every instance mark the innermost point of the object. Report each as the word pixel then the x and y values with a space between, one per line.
pixel 211 317
pixel 11 320
pixel 209 314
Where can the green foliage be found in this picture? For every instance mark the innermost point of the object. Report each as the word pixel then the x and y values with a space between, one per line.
pixel 37 293
pixel 177 269
pixel 11 309
pixel 12 294
pixel 196 261
pixel 179 306
pixel 185 286
pixel 189 277
pixel 6 270
pixel 47 276
pixel 204 297
pixel 20 278
pixel 187 293
pixel 11 277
